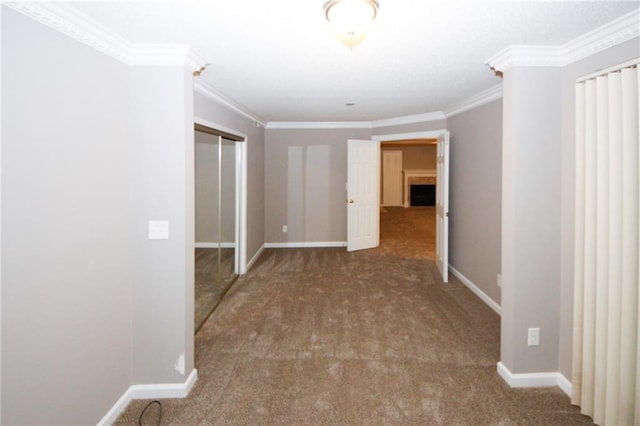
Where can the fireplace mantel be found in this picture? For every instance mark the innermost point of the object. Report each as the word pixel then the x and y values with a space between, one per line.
pixel 417 176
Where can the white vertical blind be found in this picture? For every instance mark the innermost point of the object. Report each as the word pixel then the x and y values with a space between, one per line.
pixel 606 355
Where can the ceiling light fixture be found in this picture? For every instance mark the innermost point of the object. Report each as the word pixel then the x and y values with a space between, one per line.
pixel 350 19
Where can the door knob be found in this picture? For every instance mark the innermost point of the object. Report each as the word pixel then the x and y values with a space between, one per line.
pixel 350 201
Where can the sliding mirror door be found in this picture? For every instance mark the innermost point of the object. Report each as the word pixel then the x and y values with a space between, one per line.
pixel 215 221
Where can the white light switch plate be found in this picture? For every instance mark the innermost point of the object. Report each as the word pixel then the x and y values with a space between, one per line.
pixel 158 230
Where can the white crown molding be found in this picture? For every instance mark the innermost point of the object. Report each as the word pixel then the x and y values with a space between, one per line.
pixel 409 119
pixel 202 87
pixel 165 55
pixel 74 24
pixel 611 34
pixel 390 122
pixel 318 125
pixel 615 32
pixel 482 98
pixel 69 21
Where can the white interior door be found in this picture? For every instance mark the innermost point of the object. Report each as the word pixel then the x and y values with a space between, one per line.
pixel 442 207
pixel 392 178
pixel 363 194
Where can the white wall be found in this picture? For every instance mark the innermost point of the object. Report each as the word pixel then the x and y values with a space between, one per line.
pixel 66 236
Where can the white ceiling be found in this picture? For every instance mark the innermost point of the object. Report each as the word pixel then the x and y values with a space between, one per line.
pixel 279 60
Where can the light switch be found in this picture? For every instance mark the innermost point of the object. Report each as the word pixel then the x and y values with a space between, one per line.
pixel 158 230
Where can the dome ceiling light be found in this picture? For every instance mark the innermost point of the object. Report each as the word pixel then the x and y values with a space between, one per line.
pixel 350 19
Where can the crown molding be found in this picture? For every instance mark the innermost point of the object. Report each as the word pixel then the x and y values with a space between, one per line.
pixel 69 21
pixel 165 55
pixel 484 97
pixel 615 32
pixel 611 34
pixel 318 125
pixel 390 122
pixel 409 119
pixel 74 24
pixel 202 87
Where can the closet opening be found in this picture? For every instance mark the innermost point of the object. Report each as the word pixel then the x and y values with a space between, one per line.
pixel 217 188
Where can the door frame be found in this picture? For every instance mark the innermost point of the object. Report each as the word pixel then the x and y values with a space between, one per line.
pixel 240 256
pixel 429 134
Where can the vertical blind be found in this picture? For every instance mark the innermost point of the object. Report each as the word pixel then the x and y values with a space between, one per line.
pixel 606 355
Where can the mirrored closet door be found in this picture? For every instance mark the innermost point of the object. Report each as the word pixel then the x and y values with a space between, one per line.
pixel 215 233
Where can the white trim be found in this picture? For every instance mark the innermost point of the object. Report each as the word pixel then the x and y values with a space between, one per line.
pixel 255 257
pixel 318 125
pixel 482 98
pixel 215 245
pixel 409 119
pixel 476 290
pixel 205 89
pixel 565 385
pixel 165 55
pixel 168 390
pixel 75 24
pixel 241 192
pixel 389 122
pixel 429 134
pixel 307 244
pixel 534 380
pixel 611 34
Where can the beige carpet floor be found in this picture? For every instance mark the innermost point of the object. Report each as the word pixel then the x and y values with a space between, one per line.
pixel 326 337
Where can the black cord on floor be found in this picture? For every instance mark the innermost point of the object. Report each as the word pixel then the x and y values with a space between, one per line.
pixel 147 407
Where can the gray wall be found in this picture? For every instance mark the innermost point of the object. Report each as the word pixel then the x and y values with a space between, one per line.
pixel 538 209
pixel 213 112
pixel 305 178
pixel 475 195
pixel 616 55
pixel 162 182
pixel 66 236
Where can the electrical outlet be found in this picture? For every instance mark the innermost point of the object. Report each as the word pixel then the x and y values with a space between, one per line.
pixel 158 230
pixel 499 280
pixel 533 338
pixel 284 228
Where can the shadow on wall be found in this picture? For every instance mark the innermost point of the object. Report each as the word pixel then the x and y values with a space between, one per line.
pixel 308 203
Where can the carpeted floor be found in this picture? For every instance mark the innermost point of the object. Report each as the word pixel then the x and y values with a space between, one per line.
pixel 326 337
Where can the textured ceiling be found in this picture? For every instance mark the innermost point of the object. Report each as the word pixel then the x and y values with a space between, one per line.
pixel 279 60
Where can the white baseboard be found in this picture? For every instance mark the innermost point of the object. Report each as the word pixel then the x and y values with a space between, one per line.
pixel 215 245
pixel 534 380
pixel 255 257
pixel 307 245
pixel 161 391
pixel 474 288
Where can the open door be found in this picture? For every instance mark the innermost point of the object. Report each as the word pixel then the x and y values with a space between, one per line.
pixel 363 194
pixel 442 206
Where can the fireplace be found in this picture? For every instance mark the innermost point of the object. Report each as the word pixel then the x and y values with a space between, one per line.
pixel 423 195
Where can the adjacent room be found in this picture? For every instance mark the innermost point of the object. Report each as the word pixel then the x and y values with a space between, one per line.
pixel 268 212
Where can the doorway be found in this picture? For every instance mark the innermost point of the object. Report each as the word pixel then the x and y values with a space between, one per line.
pixel 218 188
pixel 434 171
